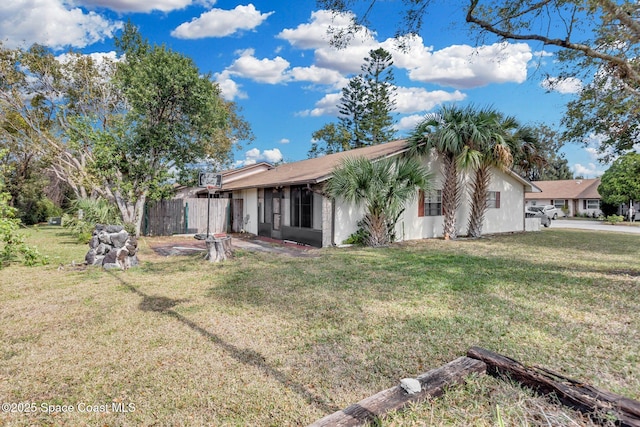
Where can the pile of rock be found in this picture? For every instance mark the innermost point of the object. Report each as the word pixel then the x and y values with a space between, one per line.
pixel 112 247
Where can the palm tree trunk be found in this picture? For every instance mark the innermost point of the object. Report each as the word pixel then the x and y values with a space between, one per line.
pixel 377 227
pixel 450 196
pixel 480 191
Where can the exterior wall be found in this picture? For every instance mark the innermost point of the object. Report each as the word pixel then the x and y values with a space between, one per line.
pixel 250 208
pixel 508 218
pixel 346 220
pixel 410 226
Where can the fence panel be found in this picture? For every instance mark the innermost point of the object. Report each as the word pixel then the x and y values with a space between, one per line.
pixel 164 218
pixel 197 215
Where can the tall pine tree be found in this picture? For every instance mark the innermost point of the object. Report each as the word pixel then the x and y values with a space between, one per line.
pixel 365 109
pixel 377 124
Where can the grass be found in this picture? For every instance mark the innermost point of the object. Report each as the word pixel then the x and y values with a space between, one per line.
pixel 273 340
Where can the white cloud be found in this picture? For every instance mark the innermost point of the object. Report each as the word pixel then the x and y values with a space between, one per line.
pixel 327 106
pixel 319 75
pixel 463 66
pixel 412 99
pixel 285 141
pixel 315 34
pixel 229 89
pixel 409 123
pixel 408 100
pixel 589 171
pixel 265 70
pixel 254 156
pixel 593 143
pixel 347 60
pixel 592 152
pixel 51 23
pixel 139 6
pixel 564 86
pixel 220 23
pixel 97 57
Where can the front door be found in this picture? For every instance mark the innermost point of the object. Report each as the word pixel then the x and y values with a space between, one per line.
pixel 276 210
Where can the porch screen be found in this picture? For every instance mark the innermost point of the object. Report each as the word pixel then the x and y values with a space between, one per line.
pixel 306 208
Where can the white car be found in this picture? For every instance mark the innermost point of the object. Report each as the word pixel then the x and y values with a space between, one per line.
pixel 549 210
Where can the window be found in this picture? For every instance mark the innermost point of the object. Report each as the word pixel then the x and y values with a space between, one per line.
pixel 591 204
pixel 430 204
pixel 560 204
pixel 301 207
pixel 493 199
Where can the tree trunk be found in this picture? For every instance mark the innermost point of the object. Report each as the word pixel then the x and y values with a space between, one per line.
pixel 377 228
pixel 139 213
pixel 218 249
pixel 132 211
pixel 450 196
pixel 480 191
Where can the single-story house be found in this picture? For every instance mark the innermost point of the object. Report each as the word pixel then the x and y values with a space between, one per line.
pixel 575 197
pixel 287 202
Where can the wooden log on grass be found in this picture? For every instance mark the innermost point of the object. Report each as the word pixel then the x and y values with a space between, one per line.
pixel 218 248
pixel 580 396
pixel 432 385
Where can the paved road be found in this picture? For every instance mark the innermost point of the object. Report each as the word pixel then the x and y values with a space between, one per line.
pixel 595 225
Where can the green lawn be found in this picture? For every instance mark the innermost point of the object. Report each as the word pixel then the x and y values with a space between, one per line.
pixel 274 340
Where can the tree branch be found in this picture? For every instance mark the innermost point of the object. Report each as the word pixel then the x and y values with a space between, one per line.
pixel 626 71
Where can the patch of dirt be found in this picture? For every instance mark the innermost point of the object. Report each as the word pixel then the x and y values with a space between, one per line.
pixel 188 245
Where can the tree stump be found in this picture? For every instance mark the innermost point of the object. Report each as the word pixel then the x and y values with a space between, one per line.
pixel 218 248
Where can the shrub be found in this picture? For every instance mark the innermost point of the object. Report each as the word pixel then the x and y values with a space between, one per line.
pixel 614 219
pixel 86 213
pixel 13 246
pixel 359 237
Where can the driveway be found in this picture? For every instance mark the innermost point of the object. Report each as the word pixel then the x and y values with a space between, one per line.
pixel 595 225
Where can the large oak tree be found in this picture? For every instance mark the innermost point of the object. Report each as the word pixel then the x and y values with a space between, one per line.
pixel 116 128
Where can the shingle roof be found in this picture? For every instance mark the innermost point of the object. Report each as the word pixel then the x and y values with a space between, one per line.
pixel 315 170
pixel 566 189
pixel 312 171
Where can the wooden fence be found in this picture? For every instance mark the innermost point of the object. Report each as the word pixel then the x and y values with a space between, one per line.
pixel 186 216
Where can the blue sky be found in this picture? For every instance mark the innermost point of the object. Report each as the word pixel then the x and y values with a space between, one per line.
pixel 272 58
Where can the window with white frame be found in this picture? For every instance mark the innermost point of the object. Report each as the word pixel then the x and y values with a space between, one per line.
pixel 591 204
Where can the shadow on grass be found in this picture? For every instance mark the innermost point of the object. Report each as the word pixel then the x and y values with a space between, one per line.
pixel 249 357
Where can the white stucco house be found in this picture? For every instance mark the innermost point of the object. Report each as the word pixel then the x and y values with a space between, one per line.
pixel 287 202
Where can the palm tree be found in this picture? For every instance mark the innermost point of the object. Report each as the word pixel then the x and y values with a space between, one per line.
pixel 495 148
pixel 529 159
pixel 383 187
pixel 452 132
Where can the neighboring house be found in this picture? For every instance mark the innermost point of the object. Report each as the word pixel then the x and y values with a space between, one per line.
pixel 287 202
pixel 576 197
